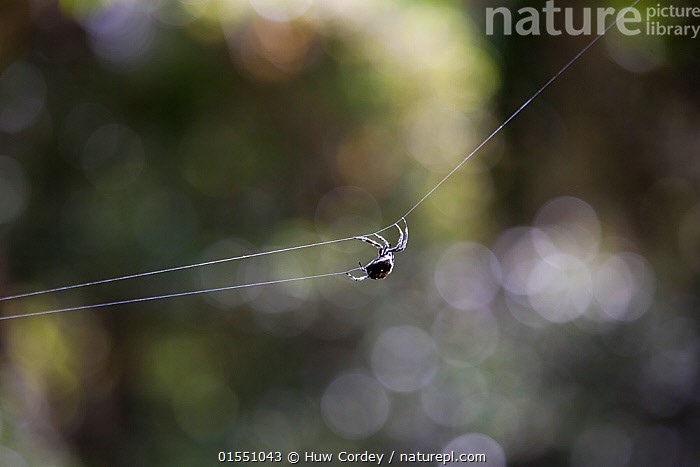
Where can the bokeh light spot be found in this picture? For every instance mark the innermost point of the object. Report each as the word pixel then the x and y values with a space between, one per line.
pixel 624 286
pixel 280 297
pixel 560 287
pixel 456 396
pixel 11 458
pixel 467 276
pixel 120 32
pixel 572 226
pixel 355 406
pixel 465 337
pixel 477 443
pixel 281 10
pixel 404 358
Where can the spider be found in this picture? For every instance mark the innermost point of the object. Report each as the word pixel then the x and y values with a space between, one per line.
pixel 382 265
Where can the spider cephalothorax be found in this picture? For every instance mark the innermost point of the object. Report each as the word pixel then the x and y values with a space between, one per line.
pixel 382 265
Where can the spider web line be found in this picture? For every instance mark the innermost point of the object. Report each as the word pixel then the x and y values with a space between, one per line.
pixel 172 295
pixel 176 268
pixel 539 91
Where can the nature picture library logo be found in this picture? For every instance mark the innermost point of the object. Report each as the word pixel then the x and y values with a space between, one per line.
pixel 658 20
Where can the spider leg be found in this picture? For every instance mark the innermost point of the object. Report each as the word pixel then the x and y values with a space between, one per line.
pixel 360 278
pixel 399 242
pixel 403 236
pixel 388 245
pixel 371 242
pixel 355 278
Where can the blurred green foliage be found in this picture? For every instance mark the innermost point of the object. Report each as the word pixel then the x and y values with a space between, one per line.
pixel 545 311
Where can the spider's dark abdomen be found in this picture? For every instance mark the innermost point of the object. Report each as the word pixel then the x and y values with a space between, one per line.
pixel 380 269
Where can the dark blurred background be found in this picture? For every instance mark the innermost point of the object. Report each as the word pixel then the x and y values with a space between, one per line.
pixel 544 313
